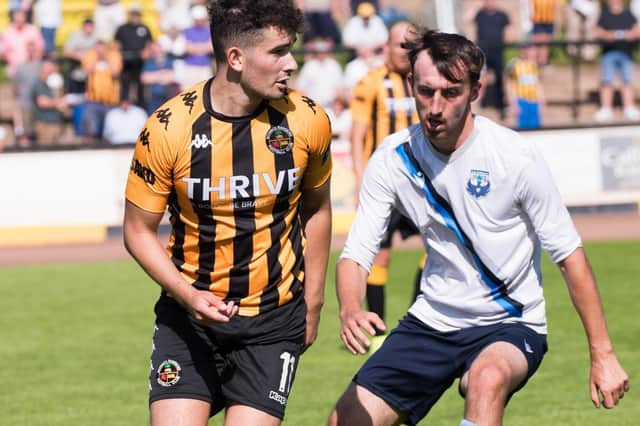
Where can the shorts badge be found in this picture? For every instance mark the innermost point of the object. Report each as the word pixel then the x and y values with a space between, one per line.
pixel 279 140
pixel 478 184
pixel 168 373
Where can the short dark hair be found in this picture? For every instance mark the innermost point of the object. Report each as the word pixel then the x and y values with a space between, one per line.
pixel 452 54
pixel 241 21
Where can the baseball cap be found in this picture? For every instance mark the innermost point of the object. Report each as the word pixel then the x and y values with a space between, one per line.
pixel 366 9
pixel 199 12
pixel 135 7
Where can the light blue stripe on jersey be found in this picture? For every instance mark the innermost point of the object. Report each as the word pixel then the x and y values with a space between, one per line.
pixel 498 293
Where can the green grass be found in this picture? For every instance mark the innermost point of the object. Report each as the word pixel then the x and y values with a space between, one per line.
pixel 75 343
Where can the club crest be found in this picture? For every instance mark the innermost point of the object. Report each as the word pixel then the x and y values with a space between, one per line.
pixel 478 184
pixel 169 373
pixel 279 140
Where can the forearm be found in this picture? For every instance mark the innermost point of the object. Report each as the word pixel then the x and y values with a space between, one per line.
pixel 317 229
pixel 358 133
pixel 351 280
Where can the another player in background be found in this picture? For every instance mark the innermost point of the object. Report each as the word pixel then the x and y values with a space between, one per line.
pixel 381 105
pixel 243 167
pixel 485 203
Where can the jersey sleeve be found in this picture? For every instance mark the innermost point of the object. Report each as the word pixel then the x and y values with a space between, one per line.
pixel 543 205
pixel 364 94
pixel 150 175
pixel 318 133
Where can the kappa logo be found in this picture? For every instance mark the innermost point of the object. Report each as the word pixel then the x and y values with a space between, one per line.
pixel 200 141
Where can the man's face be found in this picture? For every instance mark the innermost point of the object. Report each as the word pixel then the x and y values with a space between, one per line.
pixel 398 56
pixel 268 65
pixel 443 106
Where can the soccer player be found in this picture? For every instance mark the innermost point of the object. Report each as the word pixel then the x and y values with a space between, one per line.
pixel 485 204
pixel 243 167
pixel 381 105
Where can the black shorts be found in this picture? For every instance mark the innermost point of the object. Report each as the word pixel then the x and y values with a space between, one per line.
pixel 416 364
pixel 249 360
pixel 401 224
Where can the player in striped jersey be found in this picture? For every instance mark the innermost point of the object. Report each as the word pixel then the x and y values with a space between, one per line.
pixel 243 166
pixel 486 205
pixel 381 105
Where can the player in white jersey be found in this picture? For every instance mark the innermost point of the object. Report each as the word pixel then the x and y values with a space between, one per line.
pixel 485 204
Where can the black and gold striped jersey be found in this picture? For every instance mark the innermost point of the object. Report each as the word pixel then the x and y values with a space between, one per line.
pixel 544 11
pixel 383 101
pixel 232 186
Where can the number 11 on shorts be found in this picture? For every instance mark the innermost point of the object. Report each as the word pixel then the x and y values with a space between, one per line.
pixel 288 364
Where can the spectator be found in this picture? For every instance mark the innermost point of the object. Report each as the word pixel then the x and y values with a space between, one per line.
pixel 321 24
pixel 173 14
pixel 78 43
pixel 321 75
pixel 365 31
pixel 340 117
pixel 174 45
pixel 359 66
pixel 108 16
pixel 123 123
pixel 618 28
pixel 197 62
pixel 133 37
pixel 23 82
pixel 17 38
pixel 582 19
pixel 546 16
pixel 158 77
pixel 525 88
pixel 493 27
pixel 103 65
pixel 50 104
pixel 49 18
pixel 23 5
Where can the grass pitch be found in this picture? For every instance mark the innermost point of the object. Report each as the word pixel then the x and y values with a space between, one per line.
pixel 75 343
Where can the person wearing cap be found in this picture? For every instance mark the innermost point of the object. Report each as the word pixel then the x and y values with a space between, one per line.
pixel 365 31
pixel 197 61
pixel 133 37
pixel 108 16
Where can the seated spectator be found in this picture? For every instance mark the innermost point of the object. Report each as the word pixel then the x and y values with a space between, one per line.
pixel 102 65
pixel 48 18
pixel 619 30
pixel 582 19
pixel 321 75
pixel 525 89
pixel 198 58
pixel 108 16
pixel 173 14
pixel 23 82
pixel 174 45
pixel 158 77
pixel 123 123
pixel 359 66
pixel 78 43
pixel 319 15
pixel 365 31
pixel 49 105
pixel 132 37
pixel 340 117
pixel 17 38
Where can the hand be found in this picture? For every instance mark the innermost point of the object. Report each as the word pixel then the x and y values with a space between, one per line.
pixel 208 309
pixel 608 380
pixel 351 330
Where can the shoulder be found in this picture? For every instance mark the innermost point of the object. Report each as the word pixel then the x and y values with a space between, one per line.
pixel 299 106
pixel 505 142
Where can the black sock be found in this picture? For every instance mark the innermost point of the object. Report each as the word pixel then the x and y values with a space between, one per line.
pixel 375 301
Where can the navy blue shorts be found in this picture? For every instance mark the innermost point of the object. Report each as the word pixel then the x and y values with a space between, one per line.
pixel 542 28
pixel 417 364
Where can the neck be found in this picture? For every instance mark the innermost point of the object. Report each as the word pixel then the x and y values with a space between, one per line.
pixel 455 140
pixel 229 98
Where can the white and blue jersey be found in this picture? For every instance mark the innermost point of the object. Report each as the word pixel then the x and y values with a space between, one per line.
pixel 484 213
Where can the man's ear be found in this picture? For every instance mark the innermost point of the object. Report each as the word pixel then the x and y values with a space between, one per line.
pixel 475 91
pixel 235 58
pixel 410 81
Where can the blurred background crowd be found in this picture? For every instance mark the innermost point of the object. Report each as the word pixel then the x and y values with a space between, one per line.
pixel 89 72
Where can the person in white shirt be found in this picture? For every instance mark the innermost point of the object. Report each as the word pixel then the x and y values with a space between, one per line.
pixel 365 30
pixel 486 204
pixel 123 124
pixel 320 77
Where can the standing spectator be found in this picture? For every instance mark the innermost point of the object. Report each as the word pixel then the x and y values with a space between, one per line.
pixel 103 65
pixel 23 82
pixel 158 77
pixel 108 16
pixel 16 40
pixel 174 45
pixel 619 30
pixel 123 123
pixel 582 20
pixel 546 17
pixel 365 30
pixel 493 27
pixel 78 43
pixel 133 37
pixel 197 61
pixel 525 89
pixel 48 18
pixel 320 77
pixel 173 14
pixel 49 104
pixel 321 23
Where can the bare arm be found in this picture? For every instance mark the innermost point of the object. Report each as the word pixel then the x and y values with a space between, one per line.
pixel 358 133
pixel 351 284
pixel 141 241
pixel 608 381
pixel 315 212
